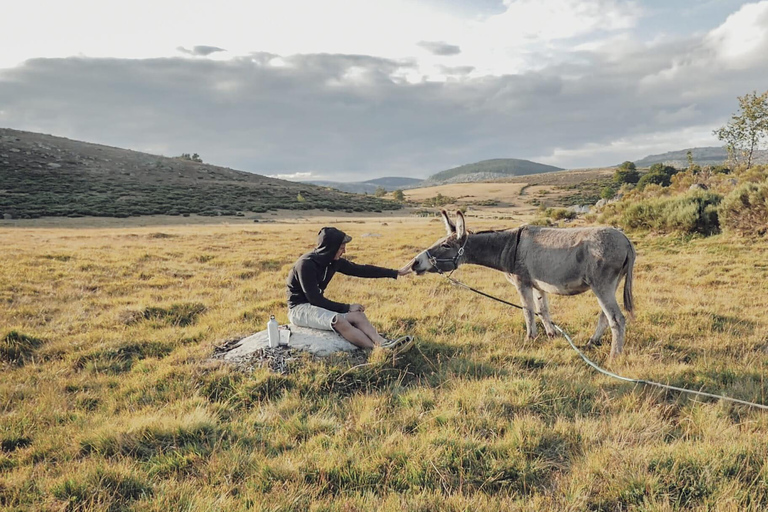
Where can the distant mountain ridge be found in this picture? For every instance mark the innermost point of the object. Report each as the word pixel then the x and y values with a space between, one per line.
pixel 707 155
pixel 486 170
pixel 389 184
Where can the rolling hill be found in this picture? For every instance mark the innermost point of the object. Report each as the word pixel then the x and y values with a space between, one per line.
pixel 43 175
pixel 487 170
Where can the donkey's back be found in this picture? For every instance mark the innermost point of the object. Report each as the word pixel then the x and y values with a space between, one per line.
pixel 568 261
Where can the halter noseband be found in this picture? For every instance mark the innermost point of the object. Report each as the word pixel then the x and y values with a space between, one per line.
pixel 454 261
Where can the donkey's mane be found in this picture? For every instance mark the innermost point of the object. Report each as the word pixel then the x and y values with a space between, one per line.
pixel 487 231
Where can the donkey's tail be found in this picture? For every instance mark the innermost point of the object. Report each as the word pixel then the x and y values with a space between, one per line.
pixel 629 265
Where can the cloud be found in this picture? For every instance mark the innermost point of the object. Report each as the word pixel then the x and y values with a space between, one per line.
pixel 203 51
pixel 296 176
pixel 353 117
pixel 743 39
pixel 440 48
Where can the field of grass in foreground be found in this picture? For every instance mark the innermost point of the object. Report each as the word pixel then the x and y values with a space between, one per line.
pixel 109 399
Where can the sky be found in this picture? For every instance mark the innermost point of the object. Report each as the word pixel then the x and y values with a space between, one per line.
pixel 354 90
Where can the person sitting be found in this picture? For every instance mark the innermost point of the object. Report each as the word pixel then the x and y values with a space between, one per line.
pixel 306 284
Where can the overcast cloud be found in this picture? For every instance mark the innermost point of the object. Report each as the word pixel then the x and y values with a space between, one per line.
pixel 440 48
pixel 593 93
pixel 201 50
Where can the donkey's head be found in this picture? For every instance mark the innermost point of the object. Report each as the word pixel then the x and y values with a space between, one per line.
pixel 445 254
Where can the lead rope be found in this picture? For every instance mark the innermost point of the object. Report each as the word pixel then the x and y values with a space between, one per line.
pixel 595 366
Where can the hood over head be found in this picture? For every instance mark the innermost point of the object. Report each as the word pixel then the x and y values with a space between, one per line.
pixel 328 242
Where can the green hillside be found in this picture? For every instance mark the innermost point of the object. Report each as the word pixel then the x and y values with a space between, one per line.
pixel 508 166
pixel 42 175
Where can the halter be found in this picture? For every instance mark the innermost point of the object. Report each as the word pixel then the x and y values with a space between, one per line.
pixel 454 261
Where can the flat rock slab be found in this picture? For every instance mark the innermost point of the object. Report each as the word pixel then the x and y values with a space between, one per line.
pixel 316 342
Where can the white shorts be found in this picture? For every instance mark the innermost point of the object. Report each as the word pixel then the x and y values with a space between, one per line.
pixel 307 315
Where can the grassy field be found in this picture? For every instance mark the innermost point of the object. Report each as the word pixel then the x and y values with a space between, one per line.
pixel 110 399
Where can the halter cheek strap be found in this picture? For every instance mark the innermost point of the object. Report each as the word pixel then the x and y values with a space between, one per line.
pixel 453 261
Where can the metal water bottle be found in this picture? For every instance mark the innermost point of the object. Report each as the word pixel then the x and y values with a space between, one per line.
pixel 274 335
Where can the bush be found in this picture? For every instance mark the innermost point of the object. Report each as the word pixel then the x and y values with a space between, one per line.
pixel 560 214
pixel 438 200
pixel 626 173
pixel 694 212
pixel 607 193
pixel 745 209
pixel 658 174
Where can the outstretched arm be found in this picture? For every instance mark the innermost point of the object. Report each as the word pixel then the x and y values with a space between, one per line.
pixel 353 269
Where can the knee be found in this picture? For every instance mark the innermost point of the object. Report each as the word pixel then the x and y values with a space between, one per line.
pixel 355 317
pixel 341 324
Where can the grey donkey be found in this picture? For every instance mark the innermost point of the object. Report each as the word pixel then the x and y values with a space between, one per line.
pixel 539 260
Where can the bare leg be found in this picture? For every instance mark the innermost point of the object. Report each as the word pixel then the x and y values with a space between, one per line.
pixel 542 307
pixel 351 333
pixel 359 320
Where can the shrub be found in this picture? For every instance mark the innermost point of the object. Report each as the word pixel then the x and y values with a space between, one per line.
pixel 658 174
pixel 745 209
pixel 439 200
pixel 626 173
pixel 694 212
pixel 607 193
pixel 560 214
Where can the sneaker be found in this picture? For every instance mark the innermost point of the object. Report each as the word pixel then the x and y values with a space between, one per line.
pixel 400 345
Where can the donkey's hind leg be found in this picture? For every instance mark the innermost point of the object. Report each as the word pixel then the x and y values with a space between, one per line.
pixel 542 308
pixel 602 325
pixel 615 318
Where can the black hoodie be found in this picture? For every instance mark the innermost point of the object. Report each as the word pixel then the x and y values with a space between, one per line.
pixel 311 274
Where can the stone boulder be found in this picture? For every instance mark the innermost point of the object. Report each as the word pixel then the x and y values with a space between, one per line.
pixel 316 342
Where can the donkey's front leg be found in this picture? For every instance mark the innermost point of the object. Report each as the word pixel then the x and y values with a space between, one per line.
pixel 529 307
pixel 542 308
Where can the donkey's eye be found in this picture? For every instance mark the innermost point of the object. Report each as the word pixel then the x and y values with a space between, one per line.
pixel 445 246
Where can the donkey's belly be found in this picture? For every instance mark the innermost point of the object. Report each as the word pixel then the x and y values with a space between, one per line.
pixel 570 288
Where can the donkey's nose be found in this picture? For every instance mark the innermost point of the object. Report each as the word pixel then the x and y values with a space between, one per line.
pixel 409 267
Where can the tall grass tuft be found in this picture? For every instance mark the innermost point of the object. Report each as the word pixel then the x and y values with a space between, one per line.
pixel 17 348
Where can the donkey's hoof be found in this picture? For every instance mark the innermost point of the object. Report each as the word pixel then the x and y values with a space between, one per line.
pixel 551 335
pixel 594 343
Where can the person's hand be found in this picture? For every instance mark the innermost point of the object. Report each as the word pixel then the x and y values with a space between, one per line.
pixel 405 270
pixel 356 307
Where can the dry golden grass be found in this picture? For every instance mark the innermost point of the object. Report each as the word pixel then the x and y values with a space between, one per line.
pixel 110 400
pixel 467 192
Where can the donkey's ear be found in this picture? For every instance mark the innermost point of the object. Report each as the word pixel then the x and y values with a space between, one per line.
pixel 450 227
pixel 461 225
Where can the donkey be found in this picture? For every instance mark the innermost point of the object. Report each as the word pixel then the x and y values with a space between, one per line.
pixel 539 260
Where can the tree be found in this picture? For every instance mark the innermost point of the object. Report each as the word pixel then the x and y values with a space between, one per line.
pixel 380 192
pixel 398 195
pixel 748 128
pixel 659 174
pixel 193 158
pixel 626 173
